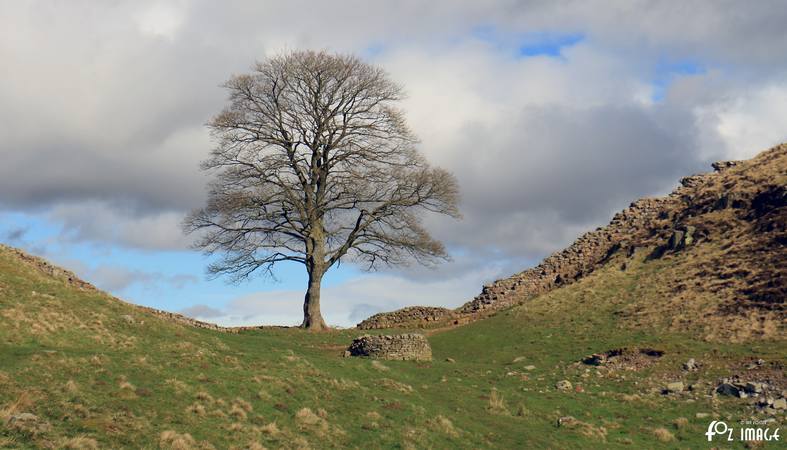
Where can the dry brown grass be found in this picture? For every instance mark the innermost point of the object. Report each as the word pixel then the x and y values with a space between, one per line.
pixel 204 397
pixel 305 416
pixel 444 425
pixel 380 366
pixel 583 428
pixel 80 443
pixel 396 386
pixel 663 434
pixel 24 401
pixel 237 412
pixel 270 429
pixel 497 404
pixel 173 440
pixel 196 409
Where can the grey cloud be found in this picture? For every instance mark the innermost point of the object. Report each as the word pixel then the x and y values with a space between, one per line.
pixel 102 129
pixel 116 278
pixel 15 235
pixel 202 312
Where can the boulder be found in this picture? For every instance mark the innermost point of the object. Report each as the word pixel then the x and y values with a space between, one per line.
pixel 730 389
pixel 563 385
pixel 690 365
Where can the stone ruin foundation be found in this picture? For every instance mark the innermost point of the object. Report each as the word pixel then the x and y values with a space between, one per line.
pixel 394 347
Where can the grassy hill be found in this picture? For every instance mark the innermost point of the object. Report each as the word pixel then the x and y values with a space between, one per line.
pixel 98 373
pixel 82 369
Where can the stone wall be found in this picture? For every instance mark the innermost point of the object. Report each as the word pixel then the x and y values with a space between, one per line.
pixel 418 316
pixel 395 347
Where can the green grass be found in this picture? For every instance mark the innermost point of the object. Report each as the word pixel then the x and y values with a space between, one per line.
pixel 72 359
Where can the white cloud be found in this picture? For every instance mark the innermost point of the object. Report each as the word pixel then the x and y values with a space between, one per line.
pixel 160 19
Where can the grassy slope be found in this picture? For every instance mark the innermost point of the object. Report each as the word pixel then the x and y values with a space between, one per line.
pixel 95 379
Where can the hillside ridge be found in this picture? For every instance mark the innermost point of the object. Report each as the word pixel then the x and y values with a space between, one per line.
pixel 753 191
pixel 70 278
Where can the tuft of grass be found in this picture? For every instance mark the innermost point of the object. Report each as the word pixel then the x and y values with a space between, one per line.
pixel 497 404
pixel 663 434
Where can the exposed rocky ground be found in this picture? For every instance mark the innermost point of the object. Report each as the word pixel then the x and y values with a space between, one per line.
pixel 731 222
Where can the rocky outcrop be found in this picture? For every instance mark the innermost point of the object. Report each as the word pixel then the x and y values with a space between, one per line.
pixel 744 197
pixel 419 316
pixel 395 347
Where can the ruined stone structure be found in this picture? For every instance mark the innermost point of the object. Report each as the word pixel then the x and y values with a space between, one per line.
pixel 421 315
pixel 396 347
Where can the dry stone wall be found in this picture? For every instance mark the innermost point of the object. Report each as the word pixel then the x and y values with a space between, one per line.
pixel 395 347
pixel 423 316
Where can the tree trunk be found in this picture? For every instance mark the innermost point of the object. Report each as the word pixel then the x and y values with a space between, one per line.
pixel 312 318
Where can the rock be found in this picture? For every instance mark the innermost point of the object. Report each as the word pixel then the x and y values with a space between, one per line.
pixel 690 365
pixel 398 347
pixel 127 318
pixel 729 389
pixel 346 354
pixel 596 359
pixel 702 415
pixel 22 417
pixel 688 237
pixel 530 367
pixel 566 421
pixel 779 403
pixel 563 385
pixel 674 387
pixel 27 423
pixel 450 360
pixel 724 165
pixel 754 387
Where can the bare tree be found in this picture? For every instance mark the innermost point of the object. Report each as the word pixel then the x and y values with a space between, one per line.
pixel 315 164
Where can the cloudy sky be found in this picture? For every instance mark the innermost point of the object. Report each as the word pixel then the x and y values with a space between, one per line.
pixel 552 114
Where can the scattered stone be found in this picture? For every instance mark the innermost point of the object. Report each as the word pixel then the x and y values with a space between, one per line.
pixel 779 403
pixel 563 385
pixel 729 389
pixel 754 387
pixel 755 364
pixel 674 387
pixel 28 423
pixel 690 365
pixel 596 359
pixel 397 347
pixel 720 166
pixel 566 421
pixel 127 318
pixel 624 358
pixel 529 368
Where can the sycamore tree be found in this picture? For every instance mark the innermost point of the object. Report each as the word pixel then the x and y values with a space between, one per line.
pixel 315 164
